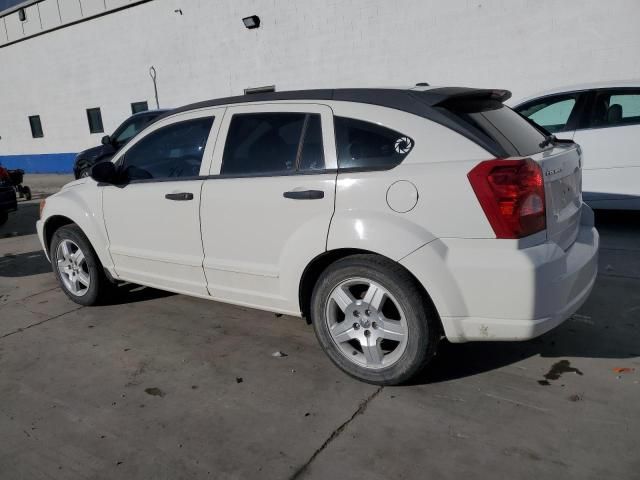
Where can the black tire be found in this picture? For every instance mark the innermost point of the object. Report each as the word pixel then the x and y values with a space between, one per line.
pixel 4 216
pixel 27 193
pixel 100 286
pixel 422 323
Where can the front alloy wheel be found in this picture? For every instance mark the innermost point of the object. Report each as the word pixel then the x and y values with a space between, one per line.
pixel 73 268
pixel 77 267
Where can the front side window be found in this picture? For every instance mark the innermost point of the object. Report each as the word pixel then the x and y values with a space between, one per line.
pixel 367 145
pixel 273 143
pixel 615 108
pixel 173 151
pixel 551 113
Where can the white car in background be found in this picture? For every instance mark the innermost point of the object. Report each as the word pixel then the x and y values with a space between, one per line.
pixel 604 119
pixel 387 217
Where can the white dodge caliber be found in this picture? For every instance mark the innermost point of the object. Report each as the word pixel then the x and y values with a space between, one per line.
pixel 389 218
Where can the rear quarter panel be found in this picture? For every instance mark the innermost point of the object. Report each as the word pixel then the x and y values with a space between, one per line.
pixel 437 166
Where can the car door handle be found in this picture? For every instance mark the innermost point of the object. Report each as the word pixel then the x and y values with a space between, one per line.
pixel 179 196
pixel 304 194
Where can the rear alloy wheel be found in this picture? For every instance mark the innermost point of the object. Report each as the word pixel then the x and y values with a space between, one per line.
pixel 373 321
pixel 77 266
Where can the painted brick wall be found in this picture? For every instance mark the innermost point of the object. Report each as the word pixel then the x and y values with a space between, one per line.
pixel 523 45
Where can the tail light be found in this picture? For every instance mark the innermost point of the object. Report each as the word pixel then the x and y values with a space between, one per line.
pixel 511 193
pixel 4 175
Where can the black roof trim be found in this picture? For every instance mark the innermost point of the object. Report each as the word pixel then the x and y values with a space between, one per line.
pixel 423 103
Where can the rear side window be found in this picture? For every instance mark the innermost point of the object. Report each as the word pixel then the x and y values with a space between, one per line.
pixel 170 152
pixel 615 108
pixel 511 132
pixel 551 113
pixel 367 145
pixel 273 144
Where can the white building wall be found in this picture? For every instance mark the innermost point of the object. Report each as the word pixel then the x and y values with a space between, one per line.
pixel 205 52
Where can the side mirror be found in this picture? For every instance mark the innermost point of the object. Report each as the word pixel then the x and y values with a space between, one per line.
pixel 106 140
pixel 104 172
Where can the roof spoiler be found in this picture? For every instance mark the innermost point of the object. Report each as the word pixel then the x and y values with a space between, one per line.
pixel 456 95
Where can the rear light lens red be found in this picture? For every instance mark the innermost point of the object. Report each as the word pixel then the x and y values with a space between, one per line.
pixel 4 175
pixel 511 193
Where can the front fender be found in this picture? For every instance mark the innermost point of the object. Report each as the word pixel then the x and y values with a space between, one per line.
pixel 81 203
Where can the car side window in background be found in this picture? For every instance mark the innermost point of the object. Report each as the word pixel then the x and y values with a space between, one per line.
pixel 615 108
pixel 273 143
pixel 173 151
pixel 122 137
pixel 551 113
pixel 367 145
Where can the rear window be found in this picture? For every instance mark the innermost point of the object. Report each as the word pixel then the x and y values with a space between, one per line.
pixel 515 135
pixel 367 145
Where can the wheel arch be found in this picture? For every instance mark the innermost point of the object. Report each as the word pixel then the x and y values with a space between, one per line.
pixel 320 263
pixel 51 225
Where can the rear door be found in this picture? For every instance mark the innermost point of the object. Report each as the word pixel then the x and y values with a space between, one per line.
pixel 610 141
pixel 267 206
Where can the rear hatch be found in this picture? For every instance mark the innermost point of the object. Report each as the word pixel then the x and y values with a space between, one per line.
pixel 506 134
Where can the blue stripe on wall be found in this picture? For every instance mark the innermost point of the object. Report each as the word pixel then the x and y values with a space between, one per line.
pixel 40 163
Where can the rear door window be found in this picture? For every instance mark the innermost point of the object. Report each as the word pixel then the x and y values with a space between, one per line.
pixel 273 144
pixel 367 145
pixel 170 152
pixel 615 107
pixel 552 113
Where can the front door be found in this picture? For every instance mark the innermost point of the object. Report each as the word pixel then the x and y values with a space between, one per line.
pixel 152 217
pixel 266 210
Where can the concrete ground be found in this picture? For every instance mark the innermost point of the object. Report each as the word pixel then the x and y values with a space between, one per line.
pixel 161 386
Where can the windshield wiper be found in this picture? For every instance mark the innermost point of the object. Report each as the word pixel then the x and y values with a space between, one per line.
pixel 548 140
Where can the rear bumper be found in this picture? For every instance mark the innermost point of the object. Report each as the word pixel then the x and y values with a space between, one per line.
pixel 512 293
pixel 8 200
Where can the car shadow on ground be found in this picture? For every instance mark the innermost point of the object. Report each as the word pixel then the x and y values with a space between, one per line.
pixel 35 263
pixel 131 293
pixel 22 222
pixel 24 264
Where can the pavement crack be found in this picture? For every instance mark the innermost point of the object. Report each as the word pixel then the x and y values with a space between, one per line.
pixel 19 300
pixel 336 433
pixel 38 323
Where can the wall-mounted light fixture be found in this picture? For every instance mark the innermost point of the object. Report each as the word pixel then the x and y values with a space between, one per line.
pixel 251 22
pixel 22 15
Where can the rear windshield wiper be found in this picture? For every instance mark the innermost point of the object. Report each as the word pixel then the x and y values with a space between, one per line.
pixel 548 140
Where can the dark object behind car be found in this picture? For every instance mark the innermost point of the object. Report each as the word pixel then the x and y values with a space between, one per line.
pixel 8 200
pixel 112 143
